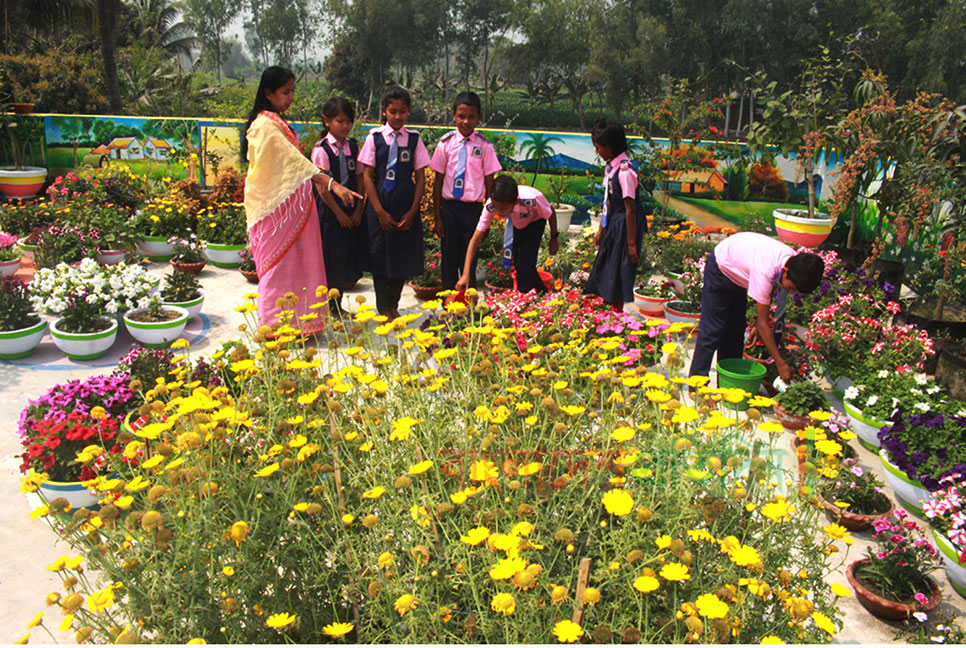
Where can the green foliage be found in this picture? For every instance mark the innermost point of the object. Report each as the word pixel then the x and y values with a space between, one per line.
pixel 55 80
pixel 736 176
pixel 21 217
pixel 802 397
pixel 16 310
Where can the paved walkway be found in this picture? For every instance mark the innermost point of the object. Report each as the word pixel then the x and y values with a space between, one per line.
pixel 701 217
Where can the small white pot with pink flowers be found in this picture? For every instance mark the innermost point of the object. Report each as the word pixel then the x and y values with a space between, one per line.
pixel 10 254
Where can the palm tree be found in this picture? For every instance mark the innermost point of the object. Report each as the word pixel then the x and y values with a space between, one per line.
pixel 158 23
pixel 538 148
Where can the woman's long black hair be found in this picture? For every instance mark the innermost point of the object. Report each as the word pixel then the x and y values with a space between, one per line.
pixel 273 78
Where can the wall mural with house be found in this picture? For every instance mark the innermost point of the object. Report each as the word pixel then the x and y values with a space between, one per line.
pixel 155 147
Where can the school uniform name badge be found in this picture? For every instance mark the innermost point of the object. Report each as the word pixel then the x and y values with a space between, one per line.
pixel 351 164
pixel 477 152
pixel 528 202
pixel 391 174
pixel 458 183
pixel 404 156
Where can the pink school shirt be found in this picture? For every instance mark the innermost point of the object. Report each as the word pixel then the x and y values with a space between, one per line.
pixel 481 161
pixel 627 176
pixel 531 205
pixel 321 159
pixel 752 261
pixel 367 155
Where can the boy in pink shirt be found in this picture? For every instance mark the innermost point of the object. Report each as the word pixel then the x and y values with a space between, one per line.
pixel 527 212
pixel 745 265
pixel 464 162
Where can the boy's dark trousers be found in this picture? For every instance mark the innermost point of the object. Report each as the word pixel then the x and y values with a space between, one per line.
pixel 723 322
pixel 459 223
pixel 388 290
pixel 526 248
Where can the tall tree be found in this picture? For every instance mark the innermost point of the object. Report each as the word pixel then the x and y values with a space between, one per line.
pixel 76 130
pixel 210 20
pixel 107 11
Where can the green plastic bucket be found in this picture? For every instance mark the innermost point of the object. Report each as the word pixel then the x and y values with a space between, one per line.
pixel 738 373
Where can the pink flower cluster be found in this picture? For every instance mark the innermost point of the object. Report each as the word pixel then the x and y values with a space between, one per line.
pixel 7 240
pixel 945 512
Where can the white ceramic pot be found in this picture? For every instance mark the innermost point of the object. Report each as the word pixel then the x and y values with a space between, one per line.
pixel 223 255
pixel 650 306
pixel 156 248
pixel 866 427
pixel 111 257
pixel 84 346
pixel 193 306
pixel 8 268
pixel 674 315
pixel 22 342
pixel 676 284
pixel 955 569
pixel 156 334
pixel 564 214
pixel 27 249
pixel 77 494
pixel 911 494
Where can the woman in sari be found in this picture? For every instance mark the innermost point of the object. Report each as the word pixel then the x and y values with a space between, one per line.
pixel 283 225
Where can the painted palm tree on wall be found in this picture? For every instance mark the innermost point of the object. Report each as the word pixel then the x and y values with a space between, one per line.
pixel 539 148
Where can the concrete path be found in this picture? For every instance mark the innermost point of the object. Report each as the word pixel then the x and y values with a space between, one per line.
pixel 701 217
pixel 28 546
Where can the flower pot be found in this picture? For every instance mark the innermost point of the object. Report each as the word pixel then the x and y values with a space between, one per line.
pixel 650 306
pixel 910 493
pixel 22 107
pixel 425 292
pixel 189 268
pixel 28 249
pixel 564 214
pixel 8 268
pixel 885 608
pixel 22 342
pixel 545 277
pixel 250 275
pixel 865 426
pixel 856 521
pixel 156 248
pixel 22 183
pixel 76 493
pixel 951 370
pixel 738 373
pixel 225 255
pixel 84 346
pixel 678 312
pixel 193 306
pixel 795 227
pixel 494 289
pixel 111 257
pixel 791 422
pixel 156 334
pixel 955 567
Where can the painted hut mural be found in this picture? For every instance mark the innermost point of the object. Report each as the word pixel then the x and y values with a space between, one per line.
pixel 126 148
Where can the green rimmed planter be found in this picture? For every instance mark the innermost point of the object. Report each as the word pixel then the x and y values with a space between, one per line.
pixel 955 568
pixel 156 248
pixel 28 250
pixel 22 342
pixel 224 255
pixel 10 267
pixel 85 346
pixel 866 427
pixel 193 306
pixel 156 334
pixel 910 493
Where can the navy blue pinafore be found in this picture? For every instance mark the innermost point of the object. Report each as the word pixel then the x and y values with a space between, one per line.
pixel 344 250
pixel 612 276
pixel 395 254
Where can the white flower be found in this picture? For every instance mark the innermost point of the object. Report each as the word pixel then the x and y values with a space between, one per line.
pixel 883 373
pixel 873 399
pixel 851 393
pixel 933 389
pixel 922 407
pixel 921 378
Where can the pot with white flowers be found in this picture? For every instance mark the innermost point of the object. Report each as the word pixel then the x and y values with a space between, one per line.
pixel 84 331
pixel 868 409
pixel 156 324
pixel 184 291
pixel 21 329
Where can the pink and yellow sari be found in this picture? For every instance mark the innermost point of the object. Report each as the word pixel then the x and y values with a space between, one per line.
pixel 283 225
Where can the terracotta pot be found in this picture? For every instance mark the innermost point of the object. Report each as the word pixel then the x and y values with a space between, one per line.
pixel 494 289
pixel 791 422
pixel 884 608
pixel 22 108
pixel 856 521
pixel 425 292
pixel 250 275
pixel 189 268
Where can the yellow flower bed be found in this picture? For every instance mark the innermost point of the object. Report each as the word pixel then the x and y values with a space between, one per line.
pixel 399 490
